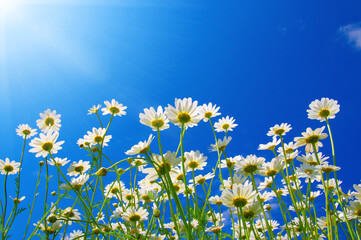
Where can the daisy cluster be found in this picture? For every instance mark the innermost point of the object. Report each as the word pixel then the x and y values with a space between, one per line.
pixel 171 194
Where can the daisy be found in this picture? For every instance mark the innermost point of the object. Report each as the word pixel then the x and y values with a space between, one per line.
pixel 185 113
pixel 271 145
pixel 157 120
pixel 311 137
pixel 272 168
pixel 267 183
pixel 251 165
pixel 71 214
pixel 289 148
pixel 355 207
pixel 141 147
pixel 225 124
pixel 222 144
pixel 77 168
pixel 325 168
pixel 25 131
pixel 76 183
pixel 8 167
pixel 228 183
pixel 357 194
pixel 162 167
pixel 94 109
pixel 314 194
pixel 195 160
pixel 49 121
pixel 230 162
pixel 240 196
pixel 216 200
pixel 289 157
pixel 311 158
pixel 114 189
pixel 97 136
pixel 251 211
pixel 216 228
pixel 320 110
pixel 58 161
pixel 114 108
pixel 76 234
pixel 133 215
pixel 331 183
pixel 208 111
pixel 309 172
pixel 279 130
pixel 44 144
pixel 200 179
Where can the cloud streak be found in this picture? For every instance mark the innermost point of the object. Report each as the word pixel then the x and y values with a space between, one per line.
pixel 353 34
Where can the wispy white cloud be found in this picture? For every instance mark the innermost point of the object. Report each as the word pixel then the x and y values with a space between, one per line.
pixel 353 34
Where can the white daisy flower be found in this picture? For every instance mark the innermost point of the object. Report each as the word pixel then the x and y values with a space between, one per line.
pixel 320 110
pixel 250 165
pixel 252 211
pixel 44 144
pixel 24 130
pixel 200 179
pixel 133 215
pixel 289 148
pixel 208 111
pixel 309 172
pixel 222 144
pixel 112 190
pixel 170 161
pixel 240 196
pixel 77 183
pixel 8 167
pixel 271 145
pixel 77 168
pixel 114 107
pixel 184 113
pixel 71 214
pixel 97 136
pixel 270 169
pixel 94 109
pixel 141 147
pixel 194 161
pixel 49 121
pixel 76 234
pixel 225 124
pixel 154 119
pixel 230 162
pixel 310 158
pixel 216 200
pixel 279 130
pixel 58 161
pixel 311 137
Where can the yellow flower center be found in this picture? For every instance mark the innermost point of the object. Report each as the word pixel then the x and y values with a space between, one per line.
pixel 184 117
pixel 8 168
pixel 193 164
pixel 324 113
pixel 134 218
pixel 225 126
pixel 271 172
pixel 250 168
pixel 157 123
pixel 208 115
pixel 98 139
pixel 164 168
pixel 26 132
pixel 239 201
pixel 49 121
pixel 114 190
pixel 79 169
pixel 248 214
pixel 279 131
pixel 308 171
pixel 312 139
pixel 201 181
pixel 47 146
pixel 114 110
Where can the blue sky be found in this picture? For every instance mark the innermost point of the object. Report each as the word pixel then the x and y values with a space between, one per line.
pixel 262 63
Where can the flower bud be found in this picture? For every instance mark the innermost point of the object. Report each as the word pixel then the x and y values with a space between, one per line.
pixel 51 218
pixel 156 213
pixel 101 172
pixel 53 193
pixel 96 231
pixel 41 163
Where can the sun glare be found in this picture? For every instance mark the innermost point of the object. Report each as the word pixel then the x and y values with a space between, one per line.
pixel 7 7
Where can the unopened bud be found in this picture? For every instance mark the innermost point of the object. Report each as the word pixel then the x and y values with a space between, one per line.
pixel 53 193
pixel 96 231
pixel 268 207
pixel 115 205
pixel 41 163
pixel 101 172
pixel 51 218
pixel 16 201
pixel 120 171
pixel 156 213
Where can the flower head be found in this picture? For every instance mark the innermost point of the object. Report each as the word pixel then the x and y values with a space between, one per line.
pixel 133 215
pixel 320 110
pixel 58 161
pixel 8 167
pixel 24 130
pixel 97 136
pixel 225 124
pixel 311 137
pixel 154 119
pixel 185 113
pixel 250 165
pixel 222 144
pixel 44 144
pixel 94 109
pixel 240 196
pixel 49 121
pixel 77 168
pixel 113 107
pixel 141 147
pixel 279 130
pixel 208 111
